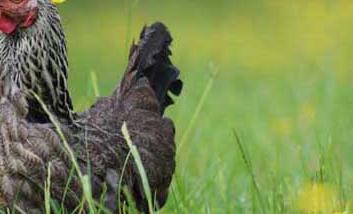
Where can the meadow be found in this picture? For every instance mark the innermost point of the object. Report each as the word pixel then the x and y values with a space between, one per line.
pixel 264 124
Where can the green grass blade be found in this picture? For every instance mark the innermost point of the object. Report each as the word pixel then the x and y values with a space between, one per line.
pixel 250 170
pixel 141 169
pixel 201 103
pixel 95 86
pixel 47 191
pixel 83 179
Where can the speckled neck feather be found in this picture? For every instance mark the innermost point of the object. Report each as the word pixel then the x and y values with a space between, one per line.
pixel 35 59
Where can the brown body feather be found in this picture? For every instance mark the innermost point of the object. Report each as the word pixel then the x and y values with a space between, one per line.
pixel 27 148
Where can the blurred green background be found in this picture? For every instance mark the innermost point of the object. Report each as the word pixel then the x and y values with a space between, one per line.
pixel 284 83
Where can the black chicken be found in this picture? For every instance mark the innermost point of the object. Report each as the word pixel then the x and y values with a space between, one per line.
pixel 29 146
pixel 33 56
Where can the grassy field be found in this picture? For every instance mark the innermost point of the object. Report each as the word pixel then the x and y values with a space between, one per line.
pixel 265 122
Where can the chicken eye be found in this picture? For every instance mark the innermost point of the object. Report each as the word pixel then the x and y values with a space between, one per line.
pixel 17 1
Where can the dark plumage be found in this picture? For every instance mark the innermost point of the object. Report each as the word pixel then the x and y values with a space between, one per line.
pixel 35 58
pixel 26 149
pixel 151 59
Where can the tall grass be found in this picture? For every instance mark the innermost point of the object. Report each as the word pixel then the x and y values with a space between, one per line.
pixel 140 167
pixel 47 187
pixel 130 6
pixel 250 170
pixel 185 137
pixel 84 179
pixel 285 84
pixel 95 85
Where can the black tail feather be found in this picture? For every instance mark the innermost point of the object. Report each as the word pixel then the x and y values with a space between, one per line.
pixel 150 58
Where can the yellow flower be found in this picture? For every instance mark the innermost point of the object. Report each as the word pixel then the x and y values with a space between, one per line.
pixel 307 113
pixel 282 126
pixel 58 1
pixel 317 198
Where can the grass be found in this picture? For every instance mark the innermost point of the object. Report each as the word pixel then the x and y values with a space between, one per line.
pixel 284 83
pixel 249 167
pixel 84 179
pixel 139 164
pixel 87 199
pixel 199 107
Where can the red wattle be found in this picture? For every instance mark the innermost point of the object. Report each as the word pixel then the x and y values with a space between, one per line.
pixel 7 25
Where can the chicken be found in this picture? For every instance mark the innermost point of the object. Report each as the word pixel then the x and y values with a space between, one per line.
pixel 33 56
pixel 28 151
